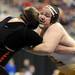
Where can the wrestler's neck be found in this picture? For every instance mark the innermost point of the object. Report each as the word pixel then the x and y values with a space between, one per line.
pixel 45 27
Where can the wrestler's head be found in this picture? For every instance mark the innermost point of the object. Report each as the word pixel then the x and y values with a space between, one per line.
pixel 30 17
pixel 49 14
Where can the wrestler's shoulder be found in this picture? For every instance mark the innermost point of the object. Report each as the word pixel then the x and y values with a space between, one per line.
pixel 58 25
pixel 15 19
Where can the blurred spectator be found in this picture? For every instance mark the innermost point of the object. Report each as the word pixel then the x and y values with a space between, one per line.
pixel 9 2
pixel 26 64
pixel 32 69
pixel 69 2
pixel 27 3
pixel 72 26
pixel 4 14
pixel 28 69
pixel 10 67
pixel 62 17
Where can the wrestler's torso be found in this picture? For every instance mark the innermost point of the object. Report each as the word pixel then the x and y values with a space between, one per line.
pixel 56 31
pixel 22 36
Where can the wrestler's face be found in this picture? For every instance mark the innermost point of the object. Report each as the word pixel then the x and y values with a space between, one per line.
pixel 45 16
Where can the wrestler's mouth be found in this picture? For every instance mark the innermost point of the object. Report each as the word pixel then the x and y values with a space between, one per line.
pixel 42 21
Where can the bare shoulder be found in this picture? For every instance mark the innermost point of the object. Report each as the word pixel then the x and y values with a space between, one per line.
pixel 15 20
pixel 56 27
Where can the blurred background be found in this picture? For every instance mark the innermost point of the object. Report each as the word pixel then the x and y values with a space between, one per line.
pixel 24 63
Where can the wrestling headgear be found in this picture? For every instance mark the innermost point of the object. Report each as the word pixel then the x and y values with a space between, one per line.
pixel 30 17
pixel 55 13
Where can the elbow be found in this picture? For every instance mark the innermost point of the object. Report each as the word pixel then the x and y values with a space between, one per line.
pixel 48 50
pixel 44 48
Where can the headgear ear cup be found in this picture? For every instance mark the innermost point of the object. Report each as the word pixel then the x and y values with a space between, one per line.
pixel 55 13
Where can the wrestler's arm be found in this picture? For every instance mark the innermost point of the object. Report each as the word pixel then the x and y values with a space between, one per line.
pixel 51 39
pixel 67 43
pixel 49 45
pixel 65 49
pixel 67 40
pixel 59 49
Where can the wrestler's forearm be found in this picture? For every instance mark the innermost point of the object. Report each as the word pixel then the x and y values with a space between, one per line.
pixel 41 53
pixel 65 49
pixel 43 49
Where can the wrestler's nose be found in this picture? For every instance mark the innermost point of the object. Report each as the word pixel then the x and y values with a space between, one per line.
pixel 42 18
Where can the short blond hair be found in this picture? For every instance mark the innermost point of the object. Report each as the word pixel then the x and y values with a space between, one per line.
pixel 31 15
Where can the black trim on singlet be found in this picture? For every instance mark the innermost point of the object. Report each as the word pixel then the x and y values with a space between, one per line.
pixel 15 38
